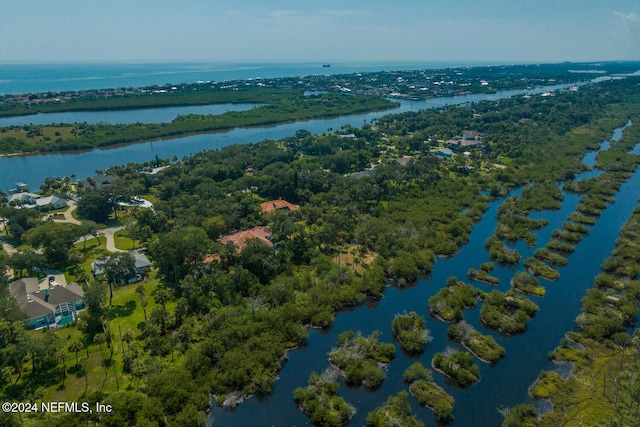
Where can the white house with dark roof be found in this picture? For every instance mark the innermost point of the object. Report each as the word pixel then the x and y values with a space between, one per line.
pixel 141 262
pixel 26 199
pixel 48 303
pixel 443 152
pixel 36 201
pixel 51 202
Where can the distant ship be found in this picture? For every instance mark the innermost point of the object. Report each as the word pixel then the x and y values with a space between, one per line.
pixel 326 65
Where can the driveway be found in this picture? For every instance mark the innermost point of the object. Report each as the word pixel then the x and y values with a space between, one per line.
pixel 67 214
pixel 108 233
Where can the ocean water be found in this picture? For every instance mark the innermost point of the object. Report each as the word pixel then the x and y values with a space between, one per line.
pixel 20 78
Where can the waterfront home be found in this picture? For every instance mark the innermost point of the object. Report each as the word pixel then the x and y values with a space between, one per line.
pixel 95 182
pixel 50 202
pixel 48 303
pixel 25 199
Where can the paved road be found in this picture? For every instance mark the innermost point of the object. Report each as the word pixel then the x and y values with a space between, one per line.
pixel 111 241
pixel 107 232
pixel 67 214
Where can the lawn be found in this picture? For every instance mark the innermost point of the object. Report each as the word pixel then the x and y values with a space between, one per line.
pixel 123 242
pixel 125 314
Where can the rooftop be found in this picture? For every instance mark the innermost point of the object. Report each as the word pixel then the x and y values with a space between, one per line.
pixel 240 238
pixel 275 205
pixel 40 297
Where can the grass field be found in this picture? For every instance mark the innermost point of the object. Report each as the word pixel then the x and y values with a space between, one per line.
pixel 125 314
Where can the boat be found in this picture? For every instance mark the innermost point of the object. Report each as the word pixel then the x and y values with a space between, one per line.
pixel 326 65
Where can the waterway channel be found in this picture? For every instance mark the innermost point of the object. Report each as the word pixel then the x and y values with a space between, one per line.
pixel 122 117
pixel 503 385
pixel 33 169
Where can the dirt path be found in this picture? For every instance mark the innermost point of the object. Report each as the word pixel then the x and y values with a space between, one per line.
pixel 7 247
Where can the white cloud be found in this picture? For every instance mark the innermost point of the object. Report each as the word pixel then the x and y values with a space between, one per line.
pixel 284 14
pixel 341 13
pixel 630 17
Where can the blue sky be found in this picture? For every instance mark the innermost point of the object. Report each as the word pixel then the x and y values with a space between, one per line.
pixel 326 31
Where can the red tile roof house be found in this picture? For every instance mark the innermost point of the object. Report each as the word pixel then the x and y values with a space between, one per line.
pixel 240 238
pixel 275 205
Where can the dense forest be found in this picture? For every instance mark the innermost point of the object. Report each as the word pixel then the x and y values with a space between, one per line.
pixel 214 318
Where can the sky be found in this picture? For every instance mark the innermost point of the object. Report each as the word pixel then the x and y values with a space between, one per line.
pixel 311 31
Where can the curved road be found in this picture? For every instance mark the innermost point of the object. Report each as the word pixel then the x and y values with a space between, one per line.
pixel 108 233
pixel 67 214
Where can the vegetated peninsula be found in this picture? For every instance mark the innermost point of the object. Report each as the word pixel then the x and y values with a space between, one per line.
pixel 280 106
pixel 283 101
pixel 250 245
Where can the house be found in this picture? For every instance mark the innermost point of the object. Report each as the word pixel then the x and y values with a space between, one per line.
pixel 95 182
pixel 239 238
pixel 443 152
pixel 25 199
pixel 209 258
pixel 103 180
pixel 362 174
pixel 50 202
pixel 21 186
pixel 468 139
pixel 141 262
pixel 48 303
pixel 279 204
pixel 404 160
pixel 470 142
pixel 471 138
pixel 453 142
pixel 155 171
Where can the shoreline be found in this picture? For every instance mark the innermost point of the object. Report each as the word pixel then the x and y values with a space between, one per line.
pixel 184 135
pixel 456 384
pixel 462 343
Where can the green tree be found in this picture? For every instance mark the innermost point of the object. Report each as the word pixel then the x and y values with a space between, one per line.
pixel 95 297
pixel 176 252
pixel 76 346
pixel 56 238
pixel 117 268
pixel 95 206
pixel 26 260
pixel 214 227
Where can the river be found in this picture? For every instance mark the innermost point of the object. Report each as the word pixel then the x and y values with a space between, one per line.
pixel 501 386
pixel 33 169
pixel 122 117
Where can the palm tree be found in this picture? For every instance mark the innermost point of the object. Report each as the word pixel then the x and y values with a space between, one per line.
pixel 100 339
pixel 162 296
pixel 76 346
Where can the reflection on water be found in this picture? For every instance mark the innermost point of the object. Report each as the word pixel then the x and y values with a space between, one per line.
pixel 501 386
pixel 122 117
